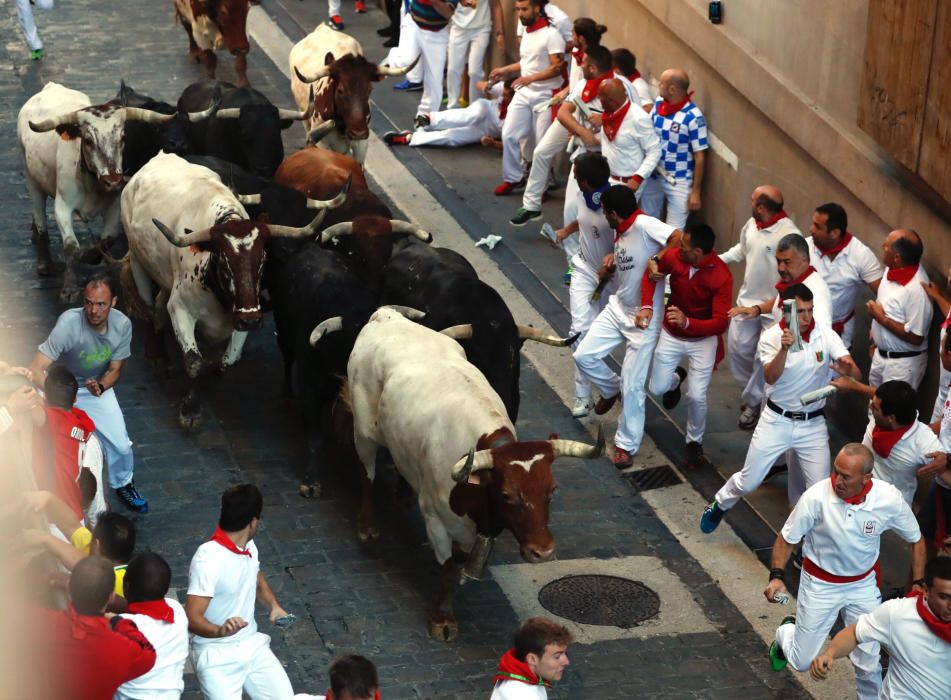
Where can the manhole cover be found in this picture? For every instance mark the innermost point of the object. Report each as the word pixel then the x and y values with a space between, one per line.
pixel 600 600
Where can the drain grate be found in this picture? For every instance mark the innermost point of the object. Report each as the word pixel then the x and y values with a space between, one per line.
pixel 609 601
pixel 654 478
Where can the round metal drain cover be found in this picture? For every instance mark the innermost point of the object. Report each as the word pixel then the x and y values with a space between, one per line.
pixel 600 600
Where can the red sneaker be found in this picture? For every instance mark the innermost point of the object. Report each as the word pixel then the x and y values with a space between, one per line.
pixel 336 22
pixel 622 458
pixel 507 188
pixel 360 7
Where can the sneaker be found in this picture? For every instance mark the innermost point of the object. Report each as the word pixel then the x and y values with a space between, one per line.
pixel 507 188
pixel 566 278
pixel 130 497
pixel 695 456
pixel 398 138
pixel 671 398
pixel 523 216
pixel 776 657
pixel 37 54
pixel 604 404
pixel 583 406
pixel 422 121
pixel 749 416
pixel 360 7
pixel 336 22
pixel 408 86
pixel 622 458
pixel 710 520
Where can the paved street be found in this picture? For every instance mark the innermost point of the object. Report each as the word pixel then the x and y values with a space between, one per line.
pixel 373 599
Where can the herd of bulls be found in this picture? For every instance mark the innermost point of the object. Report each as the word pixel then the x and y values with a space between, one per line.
pixel 221 228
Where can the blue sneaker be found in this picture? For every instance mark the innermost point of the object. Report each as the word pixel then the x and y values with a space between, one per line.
pixel 712 515
pixel 407 86
pixel 130 497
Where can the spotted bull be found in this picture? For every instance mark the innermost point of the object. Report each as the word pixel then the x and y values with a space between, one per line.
pixel 216 24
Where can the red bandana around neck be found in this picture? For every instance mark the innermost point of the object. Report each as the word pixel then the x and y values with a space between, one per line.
pixel 626 224
pixel 779 216
pixel 666 109
pixel 578 55
pixel 884 441
pixel 590 90
pixel 221 538
pixel 940 628
pixel 156 609
pixel 837 248
pixel 634 76
pixel 782 286
pixel 903 275
pixel 511 669
pixel 610 123
pixel 540 23
pixel 860 496
pixel 804 333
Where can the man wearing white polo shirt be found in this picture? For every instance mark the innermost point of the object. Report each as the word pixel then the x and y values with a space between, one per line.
pixel 916 633
pixel 759 237
pixel 844 262
pixel 901 313
pixel 840 522
pixel 224 580
pixel 628 140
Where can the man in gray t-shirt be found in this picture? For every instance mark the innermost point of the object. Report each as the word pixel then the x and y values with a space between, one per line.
pixel 93 343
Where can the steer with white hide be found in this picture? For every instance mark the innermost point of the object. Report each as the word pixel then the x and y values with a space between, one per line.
pixel 194 254
pixel 414 394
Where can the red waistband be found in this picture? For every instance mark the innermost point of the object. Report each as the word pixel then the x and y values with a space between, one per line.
pixel 839 326
pixel 813 569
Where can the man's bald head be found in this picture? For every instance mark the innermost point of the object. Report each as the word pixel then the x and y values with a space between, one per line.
pixel 902 247
pixel 612 94
pixel 674 84
pixel 767 202
pixel 91 585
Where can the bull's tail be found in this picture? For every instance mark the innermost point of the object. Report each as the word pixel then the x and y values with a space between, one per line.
pixel 135 306
pixel 344 398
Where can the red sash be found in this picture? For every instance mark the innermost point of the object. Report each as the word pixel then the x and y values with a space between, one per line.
pixel 811 568
pixel 839 326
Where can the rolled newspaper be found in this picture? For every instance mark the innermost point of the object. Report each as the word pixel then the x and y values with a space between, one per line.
pixel 782 598
pixel 792 323
pixel 813 396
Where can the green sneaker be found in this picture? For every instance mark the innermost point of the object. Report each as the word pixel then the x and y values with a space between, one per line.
pixel 776 657
pixel 37 54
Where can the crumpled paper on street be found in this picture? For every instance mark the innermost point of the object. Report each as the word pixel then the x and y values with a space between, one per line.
pixel 489 241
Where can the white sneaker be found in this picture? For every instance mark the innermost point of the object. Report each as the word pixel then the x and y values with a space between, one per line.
pixel 583 406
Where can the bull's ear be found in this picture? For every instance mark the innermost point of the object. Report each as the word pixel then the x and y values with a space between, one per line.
pixel 68 131
pixel 329 58
pixel 286 123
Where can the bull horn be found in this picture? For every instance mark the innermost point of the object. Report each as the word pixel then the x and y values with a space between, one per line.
pixel 332 203
pixel 407 311
pixel 460 332
pixel 330 325
pixel 344 228
pixel 183 240
pixel 573 448
pixel 148 116
pixel 406 227
pixel 323 129
pixel 472 462
pixel 529 333
pixel 249 198
pixel 297 115
pixel 228 113
pixel 322 72
pixel 295 232
pixel 205 113
pixel 390 71
pixel 50 124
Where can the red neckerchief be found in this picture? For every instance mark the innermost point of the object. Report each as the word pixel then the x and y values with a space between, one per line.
pixel 511 669
pixel 837 248
pixel 947 321
pixel 590 90
pixel 665 108
pixel 221 538
pixel 578 55
pixel 884 441
pixel 804 333
pixel 626 224
pixel 79 624
pixel 634 76
pixel 610 123
pixel 859 497
pixel 540 23
pixel 782 286
pixel 156 609
pixel 939 627
pixel 903 275
pixel 760 225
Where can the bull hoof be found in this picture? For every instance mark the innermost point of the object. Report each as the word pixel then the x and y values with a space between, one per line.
pixel 189 422
pixel 444 629
pixel 312 490
pixel 193 364
pixel 367 532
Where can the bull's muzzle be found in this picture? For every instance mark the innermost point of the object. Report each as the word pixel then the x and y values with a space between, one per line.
pixel 536 553
pixel 247 321
pixel 112 182
pixel 358 134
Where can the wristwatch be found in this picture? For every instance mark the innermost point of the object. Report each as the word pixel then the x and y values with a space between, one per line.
pixel 101 387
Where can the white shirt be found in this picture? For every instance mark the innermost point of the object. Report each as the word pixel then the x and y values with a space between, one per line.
pixel 535 51
pixel 908 454
pixel 516 690
pixel 170 640
pixel 632 251
pixel 910 306
pixel 595 237
pixel 758 248
pixel 638 91
pixel 635 149
pixel 920 661
pixel 477 17
pixel 842 538
pixel 854 267
pixel 806 370
pixel 231 581
pixel 821 301
pixel 586 109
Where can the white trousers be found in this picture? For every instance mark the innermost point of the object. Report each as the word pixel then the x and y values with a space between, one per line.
pixel 27 25
pixel 612 327
pixel 111 433
pixel 226 669
pixel 406 51
pixel 460 127
pixel 466 47
pixel 551 144
pixel 817 607
pixel 701 355
pixel 522 123
pixel 333 8
pixel 584 311
pixel 906 369
pixel 773 436
pixel 743 337
pixel 433 46
pixel 657 191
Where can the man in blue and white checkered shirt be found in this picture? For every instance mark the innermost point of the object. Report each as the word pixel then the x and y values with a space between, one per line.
pixel 683 139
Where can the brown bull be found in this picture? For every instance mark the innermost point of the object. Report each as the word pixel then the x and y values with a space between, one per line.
pixel 216 24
